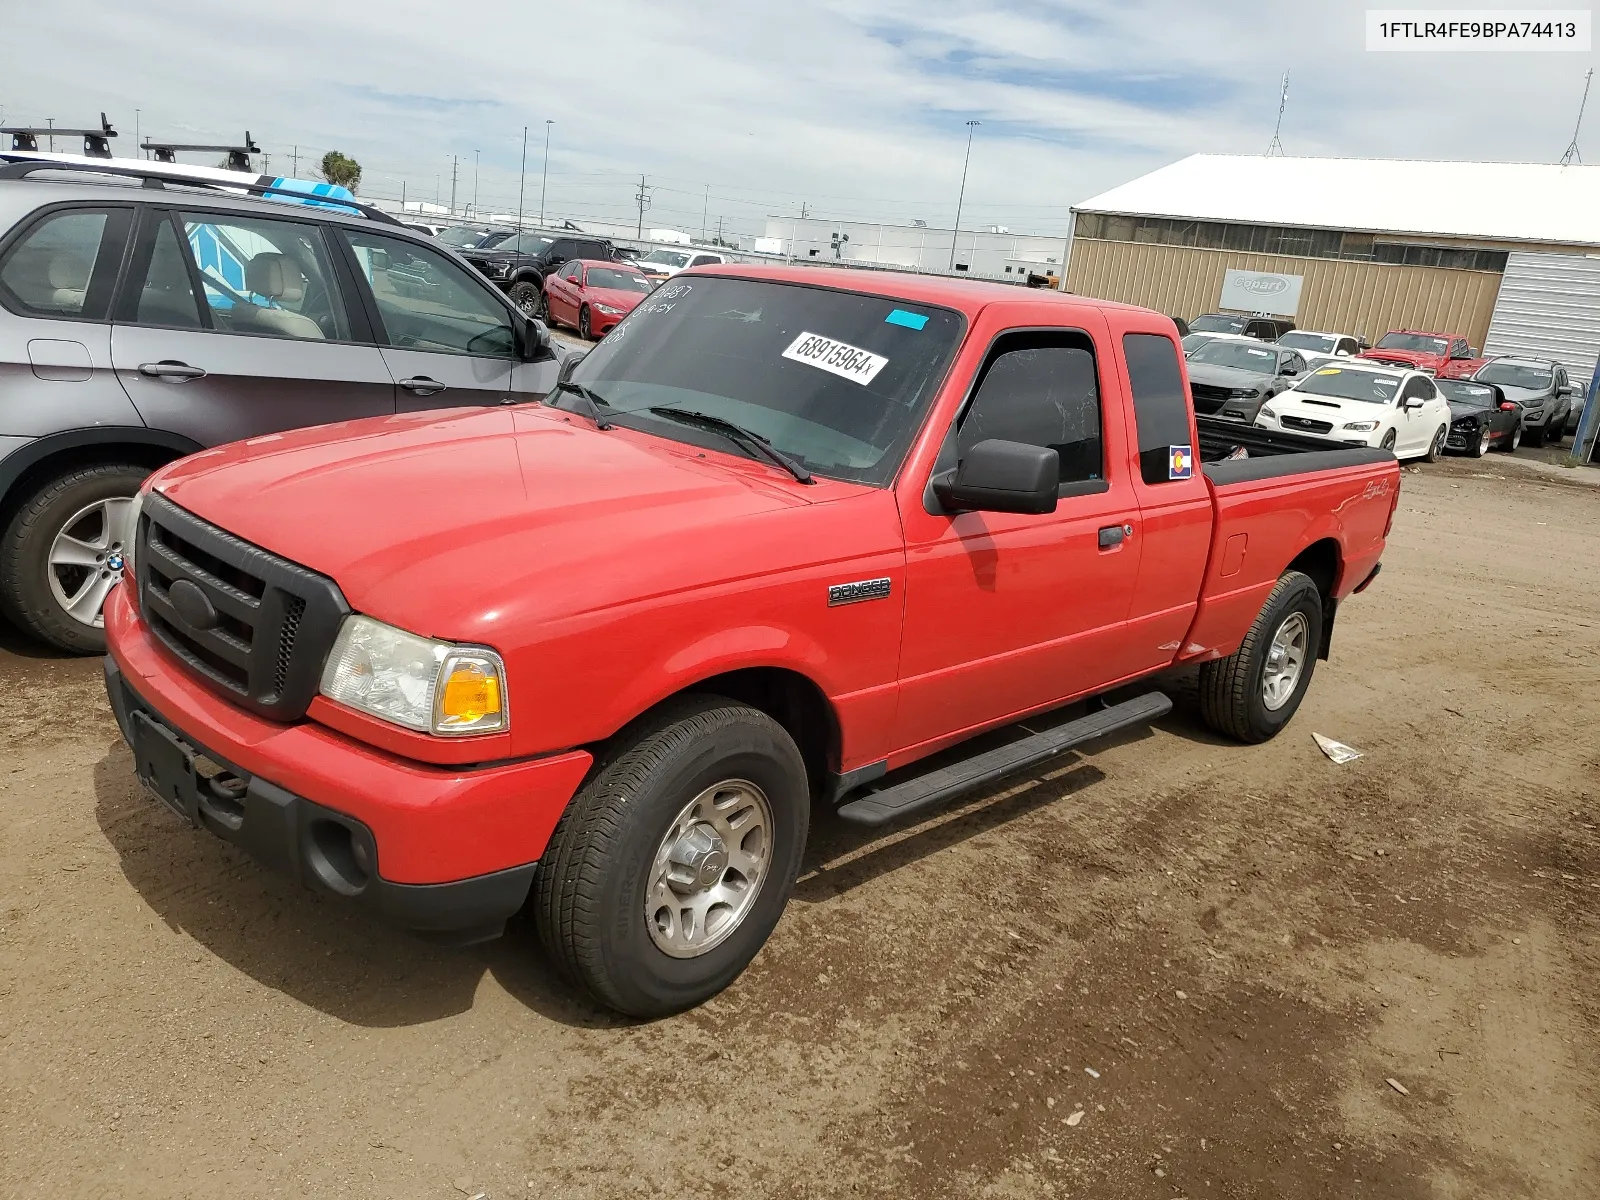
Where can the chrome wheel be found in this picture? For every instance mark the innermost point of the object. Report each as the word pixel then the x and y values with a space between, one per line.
pixel 709 868
pixel 1285 661
pixel 86 558
pixel 1516 439
pixel 1483 443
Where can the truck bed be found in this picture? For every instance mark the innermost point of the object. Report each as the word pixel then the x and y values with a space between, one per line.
pixel 1234 453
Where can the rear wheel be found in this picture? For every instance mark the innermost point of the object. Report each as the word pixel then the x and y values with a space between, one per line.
pixel 1515 440
pixel 1252 694
pixel 63 553
pixel 1436 447
pixel 673 863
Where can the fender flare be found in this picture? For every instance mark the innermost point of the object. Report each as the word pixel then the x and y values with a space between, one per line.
pixel 17 464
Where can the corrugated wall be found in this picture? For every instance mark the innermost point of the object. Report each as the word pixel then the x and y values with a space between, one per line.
pixel 1338 295
pixel 1549 306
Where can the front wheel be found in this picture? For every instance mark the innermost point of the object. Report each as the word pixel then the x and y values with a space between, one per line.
pixel 1436 447
pixel 1482 447
pixel 1534 437
pixel 1251 694
pixel 674 861
pixel 528 297
pixel 63 553
pixel 583 324
pixel 1388 442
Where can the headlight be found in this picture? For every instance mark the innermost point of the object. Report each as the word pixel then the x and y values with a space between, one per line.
pixel 1244 393
pixel 1361 426
pixel 608 310
pixel 433 687
pixel 1266 411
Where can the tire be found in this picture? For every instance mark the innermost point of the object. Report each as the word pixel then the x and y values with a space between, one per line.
pixel 1555 431
pixel 74 512
pixel 1534 437
pixel 1389 440
pixel 583 324
pixel 1485 439
pixel 1516 440
pixel 1436 447
pixel 600 875
pixel 1233 696
pixel 527 296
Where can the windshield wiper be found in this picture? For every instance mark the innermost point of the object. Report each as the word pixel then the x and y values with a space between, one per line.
pixel 593 399
pixel 749 439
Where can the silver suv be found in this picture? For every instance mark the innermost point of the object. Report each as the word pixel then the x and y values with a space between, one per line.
pixel 144 317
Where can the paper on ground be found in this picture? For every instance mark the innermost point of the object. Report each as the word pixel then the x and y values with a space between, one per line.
pixel 1338 751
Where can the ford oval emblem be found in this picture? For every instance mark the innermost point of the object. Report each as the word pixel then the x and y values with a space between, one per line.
pixel 193 606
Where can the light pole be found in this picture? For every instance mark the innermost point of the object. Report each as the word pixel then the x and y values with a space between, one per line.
pixel 476 215
pixel 705 208
pixel 956 232
pixel 544 177
pixel 136 129
pixel 522 188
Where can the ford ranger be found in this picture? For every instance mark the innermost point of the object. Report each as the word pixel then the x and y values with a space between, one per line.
pixel 786 533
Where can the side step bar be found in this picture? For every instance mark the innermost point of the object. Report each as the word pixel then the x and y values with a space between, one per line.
pixel 923 792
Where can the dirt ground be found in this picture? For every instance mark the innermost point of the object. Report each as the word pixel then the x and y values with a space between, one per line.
pixel 1217 955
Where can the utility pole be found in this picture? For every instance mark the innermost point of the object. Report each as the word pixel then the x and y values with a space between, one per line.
pixel 402 195
pixel 455 161
pixel 644 202
pixel 544 179
pixel 50 121
pixel 1572 150
pixel 719 232
pixel 703 211
pixel 802 210
pixel 136 128
pixel 961 198
pixel 1275 146
pixel 295 170
pixel 522 187
pixel 475 211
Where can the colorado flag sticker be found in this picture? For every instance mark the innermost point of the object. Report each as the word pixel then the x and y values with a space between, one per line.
pixel 1181 463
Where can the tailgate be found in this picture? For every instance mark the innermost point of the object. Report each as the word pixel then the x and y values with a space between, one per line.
pixel 1333 520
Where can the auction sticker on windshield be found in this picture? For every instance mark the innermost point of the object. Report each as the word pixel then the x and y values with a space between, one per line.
pixel 838 358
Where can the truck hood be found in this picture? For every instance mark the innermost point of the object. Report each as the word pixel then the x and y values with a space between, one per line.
pixel 444 523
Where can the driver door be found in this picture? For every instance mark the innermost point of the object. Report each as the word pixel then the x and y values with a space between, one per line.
pixel 1414 424
pixel 448 337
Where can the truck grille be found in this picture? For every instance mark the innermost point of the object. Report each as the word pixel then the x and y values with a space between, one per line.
pixel 1391 362
pixel 252 626
pixel 1306 424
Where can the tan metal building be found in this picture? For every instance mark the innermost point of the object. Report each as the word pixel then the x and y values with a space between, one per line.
pixel 1374 244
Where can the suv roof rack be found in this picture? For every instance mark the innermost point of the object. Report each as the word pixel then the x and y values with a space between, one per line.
pixel 238 156
pixel 157 179
pixel 96 142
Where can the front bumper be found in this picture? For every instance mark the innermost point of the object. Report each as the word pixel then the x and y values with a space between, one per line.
pixel 442 850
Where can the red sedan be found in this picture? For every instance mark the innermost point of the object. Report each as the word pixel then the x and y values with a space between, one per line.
pixel 593 296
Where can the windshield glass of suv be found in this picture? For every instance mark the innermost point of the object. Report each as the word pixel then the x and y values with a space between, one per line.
pixel 528 243
pixel 622 281
pixel 1467 395
pixel 838 380
pixel 1216 323
pixel 1218 353
pixel 1421 343
pixel 1344 384
pixel 1322 343
pixel 461 237
pixel 1512 375
pixel 666 258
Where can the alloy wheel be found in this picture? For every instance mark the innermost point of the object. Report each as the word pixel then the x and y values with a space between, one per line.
pixel 86 558
pixel 1286 659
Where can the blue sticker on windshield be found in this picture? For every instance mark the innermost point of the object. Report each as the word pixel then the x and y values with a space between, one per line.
pixel 1180 464
pixel 910 320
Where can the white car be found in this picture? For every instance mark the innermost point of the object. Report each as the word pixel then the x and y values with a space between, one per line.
pixel 1311 342
pixel 1365 405
pixel 668 261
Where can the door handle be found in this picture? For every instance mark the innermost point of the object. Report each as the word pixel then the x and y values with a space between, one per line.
pixel 422 385
pixel 1112 535
pixel 171 369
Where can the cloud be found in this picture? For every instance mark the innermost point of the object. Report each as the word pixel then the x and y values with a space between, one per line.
pixel 856 108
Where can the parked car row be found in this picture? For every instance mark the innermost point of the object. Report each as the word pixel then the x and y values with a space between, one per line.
pixel 1521 398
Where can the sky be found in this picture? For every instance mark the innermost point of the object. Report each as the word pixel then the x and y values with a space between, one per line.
pixel 856 109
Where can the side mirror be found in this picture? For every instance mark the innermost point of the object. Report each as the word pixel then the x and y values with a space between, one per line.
pixel 1000 476
pixel 1289 372
pixel 1413 402
pixel 536 345
pixel 1363 343
pixel 1509 406
pixel 569 364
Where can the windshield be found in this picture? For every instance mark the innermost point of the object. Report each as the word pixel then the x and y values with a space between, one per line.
pixel 1535 379
pixel 1218 353
pixel 1194 341
pixel 1323 343
pixel 1372 387
pixel 667 258
pixel 1422 343
pixel 493 238
pixel 1467 395
pixel 461 237
pixel 1216 323
pixel 621 281
pixel 836 380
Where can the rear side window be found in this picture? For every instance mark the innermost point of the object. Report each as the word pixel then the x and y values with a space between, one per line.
pixel 1160 407
pixel 1040 390
pixel 47 273
pixel 166 297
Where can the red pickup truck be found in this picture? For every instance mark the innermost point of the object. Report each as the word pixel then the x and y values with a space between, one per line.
pixel 1446 355
pixel 784 534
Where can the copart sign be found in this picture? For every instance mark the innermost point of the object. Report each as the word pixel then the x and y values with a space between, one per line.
pixel 1261 292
